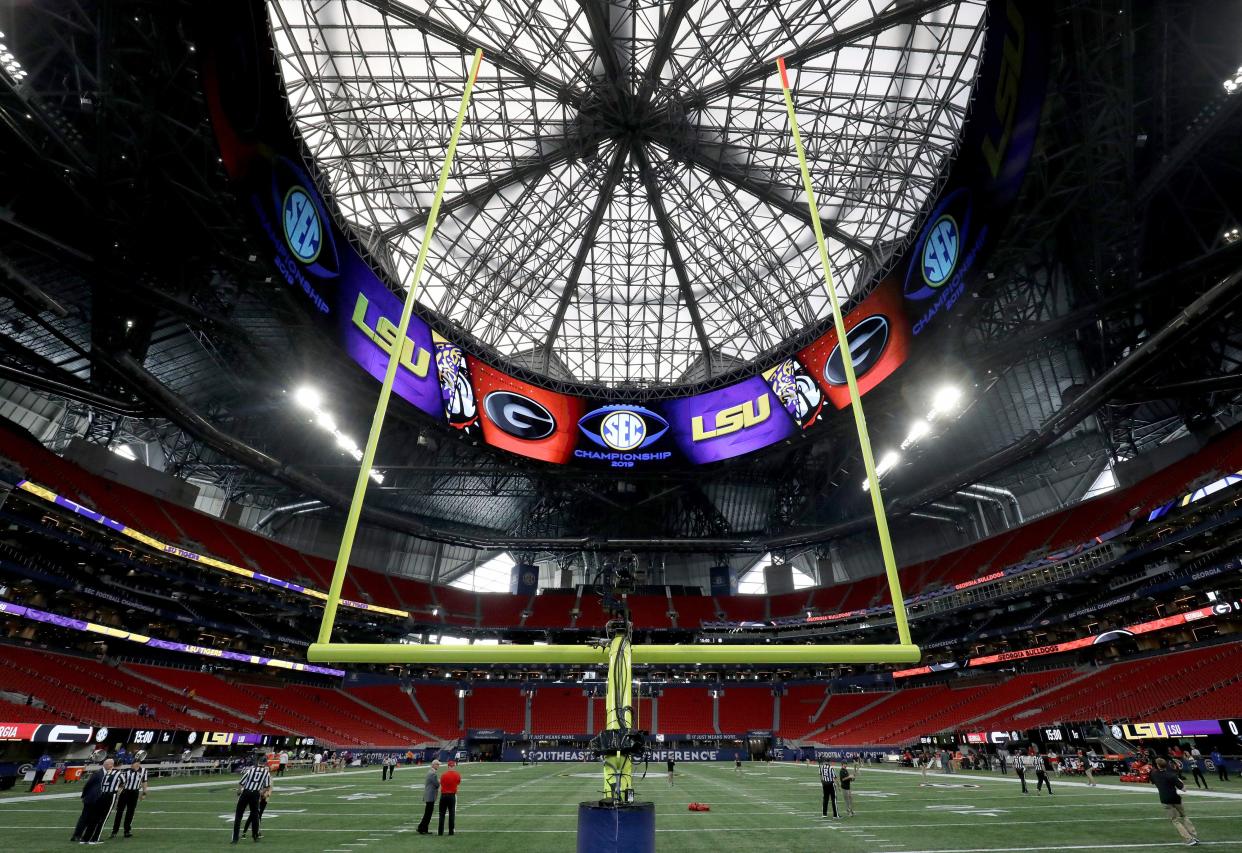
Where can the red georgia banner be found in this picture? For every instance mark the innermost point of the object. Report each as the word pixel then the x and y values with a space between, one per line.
pixel 879 337
pixel 522 418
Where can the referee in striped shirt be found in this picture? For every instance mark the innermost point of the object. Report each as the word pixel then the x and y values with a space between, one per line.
pixel 828 779
pixel 255 784
pixel 133 788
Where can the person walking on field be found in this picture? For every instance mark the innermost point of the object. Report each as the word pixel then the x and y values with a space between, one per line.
pixel 1041 773
pixel 431 788
pixel 254 786
pixel 671 766
pixel 449 783
pixel 1170 787
pixel 847 778
pixel 1019 767
pixel 1196 768
pixel 1218 761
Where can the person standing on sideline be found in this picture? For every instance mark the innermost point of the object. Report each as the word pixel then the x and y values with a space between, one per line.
pixel 828 781
pixel 283 760
pixel 449 784
pixel 109 784
pixel 133 788
pixel 1218 761
pixel 91 791
pixel 1088 768
pixel 672 765
pixel 1170 786
pixel 317 762
pixel 1196 768
pixel 925 761
pixel 255 785
pixel 1019 767
pixel 737 762
pixel 1040 763
pixel 847 777
pixel 1004 762
pixel 41 766
pixel 431 787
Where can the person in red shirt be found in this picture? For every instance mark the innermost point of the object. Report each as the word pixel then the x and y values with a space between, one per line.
pixel 449 782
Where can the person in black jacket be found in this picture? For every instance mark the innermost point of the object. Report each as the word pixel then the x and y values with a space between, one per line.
pixel 91 789
pixel 1170 786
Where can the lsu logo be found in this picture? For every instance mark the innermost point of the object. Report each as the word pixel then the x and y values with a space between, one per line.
pixel 940 251
pixel 733 419
pixel 623 428
pixel 384 336
pixel 303 230
pixel 1005 103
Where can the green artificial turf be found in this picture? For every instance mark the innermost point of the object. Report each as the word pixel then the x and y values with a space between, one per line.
pixel 507 808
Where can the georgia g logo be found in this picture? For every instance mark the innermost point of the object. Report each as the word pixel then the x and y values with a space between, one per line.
pixel 518 416
pixel 867 340
pixel 303 230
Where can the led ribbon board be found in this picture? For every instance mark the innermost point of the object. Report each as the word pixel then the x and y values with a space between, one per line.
pixel 617 429
pixel 357 307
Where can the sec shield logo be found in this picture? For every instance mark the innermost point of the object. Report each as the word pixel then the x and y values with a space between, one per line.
pixel 623 428
pixel 518 416
pixel 867 342
pixel 303 230
pixel 940 251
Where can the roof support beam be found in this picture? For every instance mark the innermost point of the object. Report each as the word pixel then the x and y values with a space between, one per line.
pixel 479 195
pixel 663 48
pixel 674 252
pixel 773 197
pixel 611 179
pixel 901 13
pixel 425 24
pixel 601 38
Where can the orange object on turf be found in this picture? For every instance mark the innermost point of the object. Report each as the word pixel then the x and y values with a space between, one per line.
pixel 38 789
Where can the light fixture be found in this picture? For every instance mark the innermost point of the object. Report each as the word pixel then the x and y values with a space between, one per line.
pixel 307 397
pixel 945 399
pixel 887 462
pixel 310 399
pixel 918 430
pixel 1233 83
pixel 1232 235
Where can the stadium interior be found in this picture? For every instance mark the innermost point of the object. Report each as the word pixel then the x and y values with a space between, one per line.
pixel 619 394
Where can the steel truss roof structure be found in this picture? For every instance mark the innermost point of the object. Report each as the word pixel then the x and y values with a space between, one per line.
pixel 626 209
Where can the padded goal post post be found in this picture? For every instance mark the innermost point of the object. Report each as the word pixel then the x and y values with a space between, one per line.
pixel 903 651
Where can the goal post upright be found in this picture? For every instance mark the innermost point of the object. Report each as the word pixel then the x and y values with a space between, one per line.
pixel 851 380
pixel 341 567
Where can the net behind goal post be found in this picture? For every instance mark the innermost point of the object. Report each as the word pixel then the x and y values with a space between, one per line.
pixel 903 651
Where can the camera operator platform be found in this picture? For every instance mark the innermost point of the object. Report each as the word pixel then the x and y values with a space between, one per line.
pixel 617 822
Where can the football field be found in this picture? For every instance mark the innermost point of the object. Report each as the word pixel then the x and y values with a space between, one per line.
pixel 507 808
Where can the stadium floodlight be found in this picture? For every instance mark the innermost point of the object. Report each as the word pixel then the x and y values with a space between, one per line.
pixel 308 398
pixel 326 421
pixel 946 399
pixel 617 654
pixel 887 462
pixel 1234 83
pixel 918 431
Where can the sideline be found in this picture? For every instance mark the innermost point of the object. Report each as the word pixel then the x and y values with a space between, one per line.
pixel 219 780
pixel 1136 789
